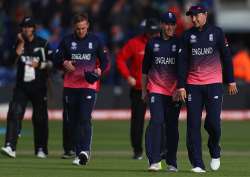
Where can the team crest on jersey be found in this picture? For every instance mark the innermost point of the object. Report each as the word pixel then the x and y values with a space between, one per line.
pixel 73 45
pixel 156 47
pixel 211 37
pixel 173 48
pixel 193 39
pixel 90 45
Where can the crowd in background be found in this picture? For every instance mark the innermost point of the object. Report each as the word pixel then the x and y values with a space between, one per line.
pixel 115 21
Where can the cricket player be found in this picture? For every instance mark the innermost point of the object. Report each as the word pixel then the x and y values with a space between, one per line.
pixel 78 54
pixel 159 80
pixel 33 58
pixel 204 56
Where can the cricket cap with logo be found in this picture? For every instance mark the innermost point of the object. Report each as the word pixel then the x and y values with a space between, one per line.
pixel 28 22
pixel 152 25
pixel 168 17
pixel 196 9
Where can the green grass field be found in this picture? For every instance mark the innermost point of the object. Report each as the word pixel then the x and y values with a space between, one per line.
pixel 111 154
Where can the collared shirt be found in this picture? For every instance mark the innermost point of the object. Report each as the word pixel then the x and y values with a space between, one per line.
pixel 204 57
pixel 160 65
pixel 39 50
pixel 85 53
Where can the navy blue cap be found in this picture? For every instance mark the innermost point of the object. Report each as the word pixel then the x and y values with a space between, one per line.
pixel 152 25
pixel 194 10
pixel 28 22
pixel 168 17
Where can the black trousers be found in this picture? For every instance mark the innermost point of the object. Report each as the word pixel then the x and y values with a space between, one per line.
pixel 68 143
pixel 17 106
pixel 138 110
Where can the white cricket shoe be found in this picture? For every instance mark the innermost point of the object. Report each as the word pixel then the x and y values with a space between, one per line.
pixel 41 154
pixel 172 168
pixel 215 164
pixel 198 170
pixel 8 151
pixel 155 167
pixel 76 161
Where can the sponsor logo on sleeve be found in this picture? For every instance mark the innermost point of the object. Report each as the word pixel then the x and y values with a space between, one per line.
pixel 193 39
pixel 73 45
pixel 90 45
pixel 173 48
pixel 156 47
pixel 211 37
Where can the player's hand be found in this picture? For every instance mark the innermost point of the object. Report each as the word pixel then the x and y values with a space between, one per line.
pixel 232 88
pixel 20 38
pixel 35 63
pixel 175 96
pixel 98 71
pixel 20 45
pixel 180 95
pixel 131 81
pixel 144 95
pixel 69 65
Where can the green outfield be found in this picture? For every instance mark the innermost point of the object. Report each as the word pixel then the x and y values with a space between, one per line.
pixel 111 154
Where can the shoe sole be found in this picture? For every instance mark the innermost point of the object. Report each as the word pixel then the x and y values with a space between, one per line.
pixel 137 158
pixel 83 159
pixel 154 170
pixel 41 157
pixel 172 171
pixel 198 171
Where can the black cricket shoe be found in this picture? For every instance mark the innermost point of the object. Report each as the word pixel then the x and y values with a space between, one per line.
pixel 137 156
pixel 84 157
pixel 68 155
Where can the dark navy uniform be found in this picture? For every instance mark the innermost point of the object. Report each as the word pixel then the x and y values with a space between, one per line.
pixel 79 95
pixel 204 56
pixel 159 65
pixel 31 85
